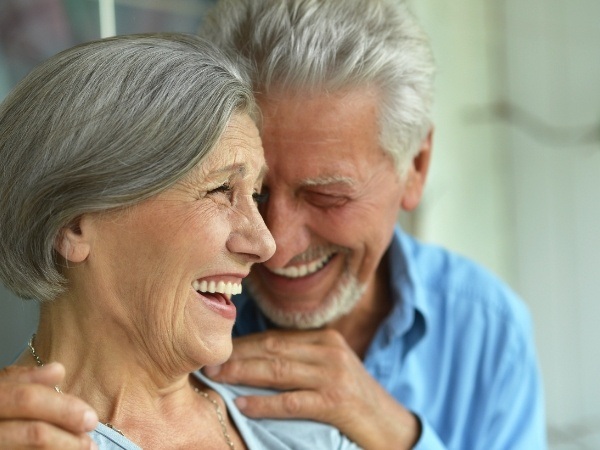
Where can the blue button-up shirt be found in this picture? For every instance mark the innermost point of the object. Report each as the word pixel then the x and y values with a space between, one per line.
pixel 457 349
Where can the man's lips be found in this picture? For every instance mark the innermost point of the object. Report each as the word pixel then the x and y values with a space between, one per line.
pixel 301 270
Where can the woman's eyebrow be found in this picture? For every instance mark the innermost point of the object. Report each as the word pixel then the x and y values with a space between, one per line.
pixel 239 169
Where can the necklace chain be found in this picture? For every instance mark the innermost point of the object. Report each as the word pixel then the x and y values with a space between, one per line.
pixel 219 416
pixel 39 362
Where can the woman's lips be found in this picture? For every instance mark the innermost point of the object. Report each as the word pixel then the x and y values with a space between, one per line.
pixel 217 295
pixel 219 303
pixel 227 288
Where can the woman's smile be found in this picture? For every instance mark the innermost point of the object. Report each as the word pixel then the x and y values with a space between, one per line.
pixel 216 293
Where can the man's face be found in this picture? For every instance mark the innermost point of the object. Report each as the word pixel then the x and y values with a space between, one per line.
pixel 334 200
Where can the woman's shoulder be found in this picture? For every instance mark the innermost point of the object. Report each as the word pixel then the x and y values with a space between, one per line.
pixel 277 434
pixel 107 438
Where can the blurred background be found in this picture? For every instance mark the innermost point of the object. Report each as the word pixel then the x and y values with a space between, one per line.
pixel 516 169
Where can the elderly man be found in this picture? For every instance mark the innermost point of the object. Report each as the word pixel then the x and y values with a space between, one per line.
pixel 411 346
pixel 397 343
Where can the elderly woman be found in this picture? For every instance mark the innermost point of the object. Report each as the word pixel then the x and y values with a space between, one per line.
pixel 131 168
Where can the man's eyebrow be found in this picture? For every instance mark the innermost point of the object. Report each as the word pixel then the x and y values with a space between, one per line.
pixel 321 181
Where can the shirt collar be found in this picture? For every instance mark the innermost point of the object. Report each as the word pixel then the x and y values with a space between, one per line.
pixel 409 311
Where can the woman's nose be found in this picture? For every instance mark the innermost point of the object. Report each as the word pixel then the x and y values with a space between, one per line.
pixel 250 236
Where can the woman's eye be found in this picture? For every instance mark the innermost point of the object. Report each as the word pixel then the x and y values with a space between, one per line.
pixel 224 188
pixel 223 192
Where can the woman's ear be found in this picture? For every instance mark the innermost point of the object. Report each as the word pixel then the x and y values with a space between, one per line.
pixel 417 175
pixel 72 241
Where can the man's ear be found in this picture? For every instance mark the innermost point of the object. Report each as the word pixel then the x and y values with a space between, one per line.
pixel 417 175
pixel 72 242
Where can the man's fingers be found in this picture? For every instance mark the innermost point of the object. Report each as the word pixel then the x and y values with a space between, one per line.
pixel 21 435
pixel 29 401
pixel 275 373
pixel 266 360
pixel 280 342
pixel 275 348
pixel 285 361
pixel 49 375
pixel 286 405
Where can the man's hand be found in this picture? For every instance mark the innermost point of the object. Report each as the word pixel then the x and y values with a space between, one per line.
pixel 34 415
pixel 323 380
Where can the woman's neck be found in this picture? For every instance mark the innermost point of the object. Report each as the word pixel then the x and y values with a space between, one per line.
pixel 103 367
pixel 143 401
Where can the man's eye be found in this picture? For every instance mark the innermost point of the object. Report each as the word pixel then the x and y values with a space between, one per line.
pixel 260 197
pixel 325 200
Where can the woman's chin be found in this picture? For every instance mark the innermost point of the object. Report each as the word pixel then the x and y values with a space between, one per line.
pixel 218 353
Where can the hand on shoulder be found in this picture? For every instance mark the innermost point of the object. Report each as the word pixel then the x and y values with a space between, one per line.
pixel 34 415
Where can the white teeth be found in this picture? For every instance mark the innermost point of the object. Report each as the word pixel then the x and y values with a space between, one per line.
pixel 228 288
pixel 203 286
pixel 301 270
pixel 212 287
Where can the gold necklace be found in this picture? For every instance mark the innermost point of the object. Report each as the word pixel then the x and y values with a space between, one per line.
pixel 39 362
pixel 219 416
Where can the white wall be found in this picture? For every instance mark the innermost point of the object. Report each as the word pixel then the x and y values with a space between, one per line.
pixel 554 56
pixel 466 200
pixel 518 188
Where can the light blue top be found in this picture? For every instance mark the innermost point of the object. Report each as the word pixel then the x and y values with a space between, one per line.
pixel 457 350
pixel 257 434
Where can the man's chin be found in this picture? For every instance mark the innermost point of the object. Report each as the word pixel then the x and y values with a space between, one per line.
pixel 335 306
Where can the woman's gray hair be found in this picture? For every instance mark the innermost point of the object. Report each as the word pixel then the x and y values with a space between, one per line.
pixel 332 45
pixel 101 126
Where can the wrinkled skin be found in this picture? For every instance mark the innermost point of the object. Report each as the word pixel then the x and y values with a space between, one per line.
pixel 331 186
pixel 34 415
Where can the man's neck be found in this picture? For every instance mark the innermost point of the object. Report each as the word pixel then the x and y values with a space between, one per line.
pixel 360 325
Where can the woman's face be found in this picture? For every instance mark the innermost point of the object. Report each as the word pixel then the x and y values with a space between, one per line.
pixel 157 261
